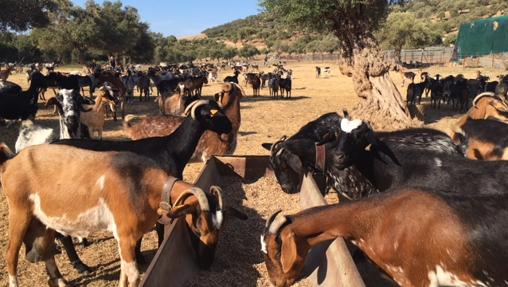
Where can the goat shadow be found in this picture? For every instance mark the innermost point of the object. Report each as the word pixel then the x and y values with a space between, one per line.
pixel 432 115
pixel 239 246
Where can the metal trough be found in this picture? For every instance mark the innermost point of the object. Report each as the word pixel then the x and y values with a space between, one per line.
pixel 329 264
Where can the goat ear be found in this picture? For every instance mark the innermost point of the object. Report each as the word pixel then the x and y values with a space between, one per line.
pixel 231 211
pixel 181 210
pixel 289 252
pixel 267 146
pixel 295 163
pixel 380 147
pixel 227 87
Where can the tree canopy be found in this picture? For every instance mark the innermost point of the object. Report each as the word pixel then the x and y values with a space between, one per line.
pixel 21 15
pixel 404 30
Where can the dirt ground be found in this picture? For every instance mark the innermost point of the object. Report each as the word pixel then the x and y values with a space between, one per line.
pixel 263 120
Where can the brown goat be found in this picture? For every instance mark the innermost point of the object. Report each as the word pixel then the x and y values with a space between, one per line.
pixel 481 138
pixel 487 105
pixel 172 105
pixel 418 237
pixel 210 143
pixel 122 193
pixel 118 87
pixel 4 74
pixel 94 118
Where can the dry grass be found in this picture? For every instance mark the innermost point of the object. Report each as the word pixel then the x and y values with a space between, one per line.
pixel 239 261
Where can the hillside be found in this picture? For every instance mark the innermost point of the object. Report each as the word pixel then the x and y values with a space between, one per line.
pixel 262 30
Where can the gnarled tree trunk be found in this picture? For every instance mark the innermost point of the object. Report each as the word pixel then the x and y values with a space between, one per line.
pixel 381 102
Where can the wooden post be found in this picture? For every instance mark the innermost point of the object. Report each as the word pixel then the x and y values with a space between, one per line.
pixel 330 264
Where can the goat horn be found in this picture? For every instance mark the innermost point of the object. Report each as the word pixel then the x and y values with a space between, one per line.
pixel 485 94
pixel 198 193
pixel 191 108
pixel 217 191
pixel 281 140
pixel 272 217
pixel 277 224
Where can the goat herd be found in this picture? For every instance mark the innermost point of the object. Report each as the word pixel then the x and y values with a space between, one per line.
pixel 457 92
pixel 426 208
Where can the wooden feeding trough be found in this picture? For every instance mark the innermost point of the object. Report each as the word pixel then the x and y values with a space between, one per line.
pixel 329 264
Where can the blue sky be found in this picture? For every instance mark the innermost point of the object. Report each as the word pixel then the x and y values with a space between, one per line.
pixel 188 17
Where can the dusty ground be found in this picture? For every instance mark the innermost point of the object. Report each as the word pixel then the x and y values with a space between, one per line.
pixel 263 120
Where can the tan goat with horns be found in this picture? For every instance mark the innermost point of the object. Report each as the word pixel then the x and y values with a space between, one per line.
pixel 122 193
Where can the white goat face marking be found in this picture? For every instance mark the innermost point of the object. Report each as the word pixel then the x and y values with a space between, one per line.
pixel 438 162
pixel 97 218
pixel 348 126
pixel 263 244
pixel 100 182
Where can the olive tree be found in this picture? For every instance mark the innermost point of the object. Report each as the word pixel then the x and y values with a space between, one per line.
pixel 21 15
pixel 353 22
pixel 404 30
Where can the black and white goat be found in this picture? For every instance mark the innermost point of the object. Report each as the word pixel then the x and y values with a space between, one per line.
pixel 387 164
pixel 309 150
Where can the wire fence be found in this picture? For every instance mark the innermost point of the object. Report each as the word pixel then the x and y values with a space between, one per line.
pixel 429 55
pixel 415 58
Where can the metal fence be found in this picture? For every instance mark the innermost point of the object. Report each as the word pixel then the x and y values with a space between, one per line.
pixel 429 55
pixel 426 56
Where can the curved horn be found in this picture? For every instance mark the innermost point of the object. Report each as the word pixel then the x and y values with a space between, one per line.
pixel 272 217
pixel 485 94
pixel 217 191
pixel 277 224
pixel 281 140
pixel 199 194
pixel 191 108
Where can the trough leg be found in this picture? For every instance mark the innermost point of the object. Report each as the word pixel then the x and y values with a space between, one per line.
pixel 73 255
pixel 18 225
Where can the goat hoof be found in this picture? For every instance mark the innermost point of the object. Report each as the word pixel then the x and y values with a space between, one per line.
pixel 81 267
pixel 59 282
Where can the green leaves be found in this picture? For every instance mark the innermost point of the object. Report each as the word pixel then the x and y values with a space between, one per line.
pixel 21 15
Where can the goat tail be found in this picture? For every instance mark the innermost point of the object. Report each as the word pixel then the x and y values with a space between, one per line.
pixel 5 153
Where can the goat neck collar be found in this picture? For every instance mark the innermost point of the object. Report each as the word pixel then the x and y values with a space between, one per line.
pixel 165 205
pixel 320 162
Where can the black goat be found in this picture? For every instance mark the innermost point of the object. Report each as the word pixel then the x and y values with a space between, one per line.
pixel 254 80
pixel 232 79
pixel 17 104
pixel 171 152
pixel 388 164
pixel 285 86
pixel 285 157
pixel 436 92
pixel 415 92
pixel 327 128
